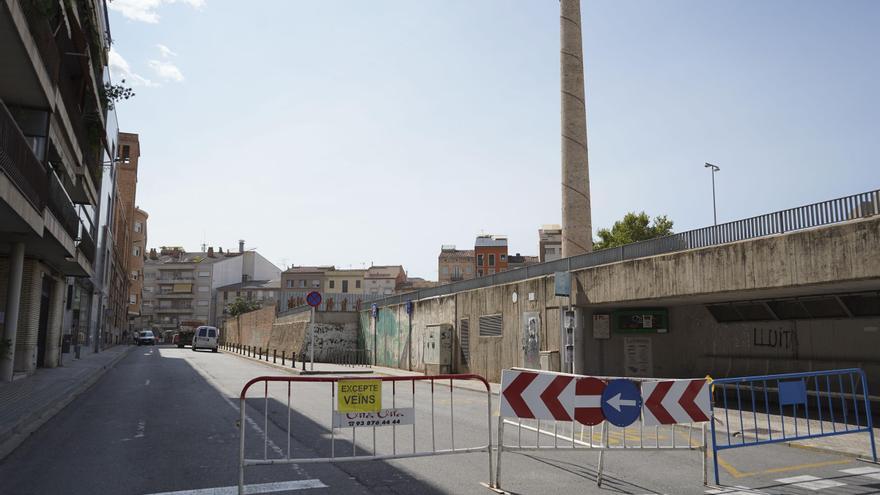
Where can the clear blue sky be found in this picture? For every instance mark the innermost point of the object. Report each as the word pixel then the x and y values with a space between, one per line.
pixel 331 132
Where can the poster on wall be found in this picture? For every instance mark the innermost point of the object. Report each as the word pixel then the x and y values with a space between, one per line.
pixel 637 358
pixel 601 326
pixel 641 321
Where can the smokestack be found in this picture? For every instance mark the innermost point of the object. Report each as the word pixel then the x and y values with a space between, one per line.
pixel 577 234
pixel 211 252
pixel 241 245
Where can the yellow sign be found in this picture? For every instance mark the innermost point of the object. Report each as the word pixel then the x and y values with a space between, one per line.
pixel 359 396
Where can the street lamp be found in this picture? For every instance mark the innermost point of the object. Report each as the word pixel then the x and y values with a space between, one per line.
pixel 714 169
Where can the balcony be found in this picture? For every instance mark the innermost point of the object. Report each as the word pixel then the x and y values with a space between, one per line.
pixel 19 163
pixel 182 309
pixel 175 295
pixel 59 203
pixel 86 244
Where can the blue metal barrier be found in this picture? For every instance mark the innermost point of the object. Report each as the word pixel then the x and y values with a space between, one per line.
pixel 789 407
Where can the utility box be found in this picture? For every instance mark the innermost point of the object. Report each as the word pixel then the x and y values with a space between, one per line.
pixel 438 349
pixel 550 360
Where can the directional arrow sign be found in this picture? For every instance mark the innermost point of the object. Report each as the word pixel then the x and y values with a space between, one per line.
pixel 534 395
pixel 672 402
pixel 621 402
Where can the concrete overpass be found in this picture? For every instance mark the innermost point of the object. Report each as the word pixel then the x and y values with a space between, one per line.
pixel 787 291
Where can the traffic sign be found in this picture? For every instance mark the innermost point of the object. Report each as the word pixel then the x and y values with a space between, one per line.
pixel 374 310
pixel 551 396
pixel 672 402
pixel 359 396
pixel 314 299
pixel 409 307
pixel 621 402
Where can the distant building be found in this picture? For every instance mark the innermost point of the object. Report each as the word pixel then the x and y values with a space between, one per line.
pixel 136 268
pixel 181 286
pixel 384 280
pixel 416 283
pixel 490 252
pixel 455 264
pixel 344 281
pixel 550 242
pixel 304 278
pixel 517 260
pixel 265 292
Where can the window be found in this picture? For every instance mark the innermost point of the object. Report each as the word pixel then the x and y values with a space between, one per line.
pixel 134 275
pixel 490 326
pixel 137 226
pixel 344 286
pixel 203 332
pixel 203 288
pixel 332 284
pixel 357 284
pixel 204 274
pixel 136 251
pixel 479 260
pixel 388 291
pixel 132 299
pixel 491 260
pixel 212 333
pixel 301 284
pixel 469 270
pixel 316 284
pixel 503 257
pixel 290 284
pixel 126 153
pixel 445 270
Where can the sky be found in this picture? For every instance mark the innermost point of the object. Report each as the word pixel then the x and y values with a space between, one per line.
pixel 354 133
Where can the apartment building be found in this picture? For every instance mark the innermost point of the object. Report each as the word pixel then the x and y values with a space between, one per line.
pixel 384 280
pixel 263 292
pixel 181 286
pixel 455 264
pixel 490 254
pixel 550 242
pixel 517 260
pixel 57 131
pixel 136 269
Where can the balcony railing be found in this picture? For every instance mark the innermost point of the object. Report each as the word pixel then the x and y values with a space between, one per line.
pixel 18 161
pixel 86 244
pixel 60 204
pixel 41 30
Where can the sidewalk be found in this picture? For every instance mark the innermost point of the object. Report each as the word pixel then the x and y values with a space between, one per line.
pixel 27 403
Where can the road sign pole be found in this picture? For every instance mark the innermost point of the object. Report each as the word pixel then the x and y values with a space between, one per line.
pixel 312 346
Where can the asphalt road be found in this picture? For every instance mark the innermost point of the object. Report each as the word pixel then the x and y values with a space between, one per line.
pixel 165 420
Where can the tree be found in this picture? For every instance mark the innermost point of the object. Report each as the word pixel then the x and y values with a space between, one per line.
pixel 240 306
pixel 633 228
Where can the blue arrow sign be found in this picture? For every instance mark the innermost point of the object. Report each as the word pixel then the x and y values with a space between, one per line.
pixel 621 402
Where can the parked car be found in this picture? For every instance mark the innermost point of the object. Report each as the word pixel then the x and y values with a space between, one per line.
pixel 146 338
pixel 206 338
pixel 183 337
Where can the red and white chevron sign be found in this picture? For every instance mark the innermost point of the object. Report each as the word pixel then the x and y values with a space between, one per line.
pixel 551 396
pixel 672 402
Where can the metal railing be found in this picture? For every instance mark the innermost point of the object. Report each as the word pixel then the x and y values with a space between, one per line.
pixel 803 217
pixel 86 244
pixel 759 410
pixel 61 205
pixel 19 163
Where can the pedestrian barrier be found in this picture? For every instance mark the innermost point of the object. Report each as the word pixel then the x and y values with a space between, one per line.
pixel 356 404
pixel 342 357
pixel 792 406
pixel 576 412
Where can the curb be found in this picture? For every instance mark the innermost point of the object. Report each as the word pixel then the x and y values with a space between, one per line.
pixel 29 424
pixel 828 450
pixel 297 371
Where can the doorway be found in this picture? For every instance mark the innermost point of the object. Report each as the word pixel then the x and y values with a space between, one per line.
pixel 43 328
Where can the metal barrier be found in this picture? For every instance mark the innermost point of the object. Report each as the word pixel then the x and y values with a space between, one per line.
pixel 341 357
pixel 442 427
pixel 821 403
pixel 575 436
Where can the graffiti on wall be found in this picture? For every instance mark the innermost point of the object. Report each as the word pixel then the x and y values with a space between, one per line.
pixel 784 339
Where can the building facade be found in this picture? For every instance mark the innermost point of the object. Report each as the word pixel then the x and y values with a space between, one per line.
pixel 56 133
pixel 455 264
pixel 384 280
pixel 550 242
pixel 517 260
pixel 181 286
pixel 136 269
pixel 263 292
pixel 490 254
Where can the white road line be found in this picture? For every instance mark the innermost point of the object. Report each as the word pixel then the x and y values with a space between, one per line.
pixel 868 472
pixel 141 429
pixel 148 383
pixel 810 482
pixel 735 490
pixel 281 486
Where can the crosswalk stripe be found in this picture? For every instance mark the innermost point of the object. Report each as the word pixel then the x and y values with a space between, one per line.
pixel 810 482
pixel 868 472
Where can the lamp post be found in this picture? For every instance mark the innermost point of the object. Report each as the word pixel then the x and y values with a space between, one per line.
pixel 714 169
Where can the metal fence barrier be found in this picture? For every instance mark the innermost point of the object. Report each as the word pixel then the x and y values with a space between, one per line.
pixel 341 357
pixel 574 436
pixel 401 394
pixel 787 407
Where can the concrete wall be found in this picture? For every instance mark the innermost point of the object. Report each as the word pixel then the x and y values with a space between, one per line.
pixel 334 332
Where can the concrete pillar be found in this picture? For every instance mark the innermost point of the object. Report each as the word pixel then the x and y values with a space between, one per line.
pixel 13 301
pixel 576 221
pixel 56 317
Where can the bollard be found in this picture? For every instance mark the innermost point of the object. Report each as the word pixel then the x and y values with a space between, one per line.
pixel 259 353
pixel 282 358
pixel 304 363
pixel 274 356
pixel 293 359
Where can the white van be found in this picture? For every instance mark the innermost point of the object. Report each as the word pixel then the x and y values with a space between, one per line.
pixel 206 338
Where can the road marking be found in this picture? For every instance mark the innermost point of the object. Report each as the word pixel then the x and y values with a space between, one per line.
pixel 739 474
pixel 810 482
pixel 148 383
pixel 281 486
pixel 736 490
pixel 141 429
pixel 868 472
